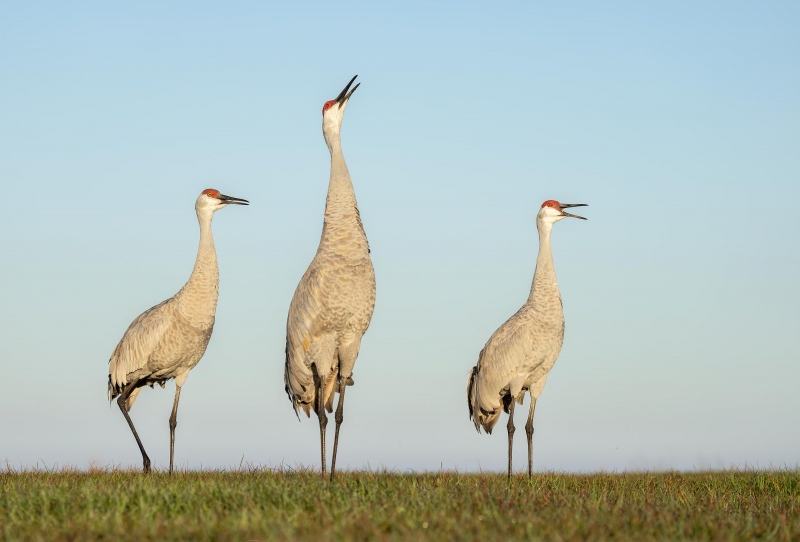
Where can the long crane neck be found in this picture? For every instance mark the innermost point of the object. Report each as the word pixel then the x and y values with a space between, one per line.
pixel 198 297
pixel 342 218
pixel 341 195
pixel 544 290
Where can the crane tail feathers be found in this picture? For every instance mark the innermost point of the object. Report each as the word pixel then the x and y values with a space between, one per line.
pixel 111 394
pixel 291 386
pixel 471 390
pixel 479 416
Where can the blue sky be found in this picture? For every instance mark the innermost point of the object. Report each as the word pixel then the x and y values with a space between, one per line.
pixel 678 123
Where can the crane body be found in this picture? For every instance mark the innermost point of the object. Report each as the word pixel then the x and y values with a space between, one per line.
pixel 332 306
pixel 168 340
pixel 519 355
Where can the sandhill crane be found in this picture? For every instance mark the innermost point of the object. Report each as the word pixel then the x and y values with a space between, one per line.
pixel 332 306
pixel 168 340
pixel 522 351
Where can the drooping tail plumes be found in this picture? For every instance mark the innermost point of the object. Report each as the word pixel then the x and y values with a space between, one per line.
pixel 287 385
pixel 471 390
pixel 479 416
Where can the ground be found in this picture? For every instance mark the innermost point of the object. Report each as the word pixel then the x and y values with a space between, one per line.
pixel 285 504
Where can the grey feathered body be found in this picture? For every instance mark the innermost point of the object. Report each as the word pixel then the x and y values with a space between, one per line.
pixel 168 340
pixel 332 306
pixel 519 355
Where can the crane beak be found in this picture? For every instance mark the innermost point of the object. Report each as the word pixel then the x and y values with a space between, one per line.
pixel 568 205
pixel 231 200
pixel 343 96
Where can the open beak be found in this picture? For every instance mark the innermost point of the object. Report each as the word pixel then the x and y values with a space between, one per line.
pixel 231 200
pixel 568 205
pixel 343 96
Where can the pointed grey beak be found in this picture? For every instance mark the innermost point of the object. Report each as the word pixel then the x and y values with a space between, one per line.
pixel 231 200
pixel 343 96
pixel 568 205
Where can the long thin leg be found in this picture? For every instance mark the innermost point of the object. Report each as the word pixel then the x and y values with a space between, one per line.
pixel 511 430
pixel 121 402
pixel 529 431
pixel 323 418
pixel 339 418
pixel 173 422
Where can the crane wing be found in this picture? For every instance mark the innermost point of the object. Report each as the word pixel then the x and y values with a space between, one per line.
pixel 134 350
pixel 304 326
pixel 503 366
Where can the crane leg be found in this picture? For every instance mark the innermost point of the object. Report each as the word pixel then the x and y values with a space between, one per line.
pixel 511 430
pixel 323 418
pixel 121 402
pixel 529 431
pixel 173 422
pixel 339 418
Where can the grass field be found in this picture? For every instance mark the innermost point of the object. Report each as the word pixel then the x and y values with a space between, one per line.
pixel 263 504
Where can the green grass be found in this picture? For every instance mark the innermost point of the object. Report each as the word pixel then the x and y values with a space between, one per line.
pixel 263 504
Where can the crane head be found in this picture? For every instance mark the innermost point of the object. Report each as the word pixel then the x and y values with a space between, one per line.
pixel 211 199
pixel 333 110
pixel 553 211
